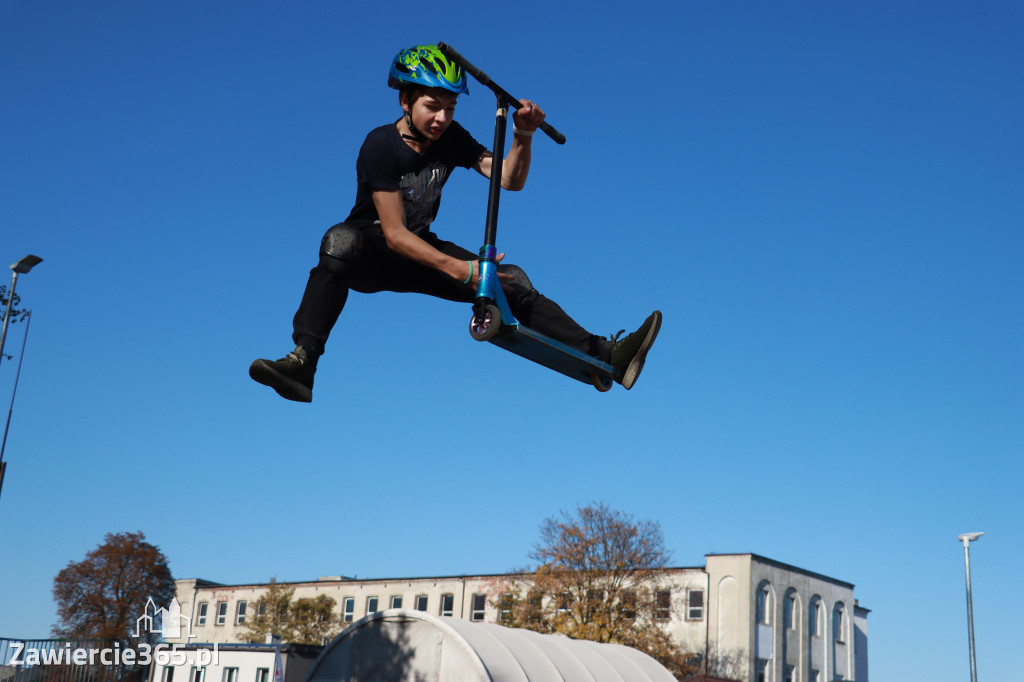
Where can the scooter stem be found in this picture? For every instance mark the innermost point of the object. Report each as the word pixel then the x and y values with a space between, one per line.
pixel 488 252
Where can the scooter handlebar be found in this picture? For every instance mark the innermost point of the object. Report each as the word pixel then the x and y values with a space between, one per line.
pixel 486 81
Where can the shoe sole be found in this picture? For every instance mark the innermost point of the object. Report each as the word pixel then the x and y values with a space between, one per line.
pixel 636 365
pixel 263 373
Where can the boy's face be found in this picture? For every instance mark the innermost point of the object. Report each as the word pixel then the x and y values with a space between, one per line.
pixel 432 112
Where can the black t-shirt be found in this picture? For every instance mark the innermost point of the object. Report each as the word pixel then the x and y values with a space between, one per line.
pixel 386 162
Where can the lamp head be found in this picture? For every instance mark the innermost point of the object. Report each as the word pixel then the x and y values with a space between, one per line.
pixel 968 537
pixel 26 264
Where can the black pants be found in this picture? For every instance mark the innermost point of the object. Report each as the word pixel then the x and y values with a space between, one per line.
pixel 374 267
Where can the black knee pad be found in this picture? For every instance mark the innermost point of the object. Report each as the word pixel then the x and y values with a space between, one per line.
pixel 340 245
pixel 519 276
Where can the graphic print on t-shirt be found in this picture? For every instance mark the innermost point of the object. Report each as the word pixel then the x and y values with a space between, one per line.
pixel 420 192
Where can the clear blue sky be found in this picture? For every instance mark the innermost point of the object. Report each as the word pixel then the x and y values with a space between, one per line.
pixel 824 198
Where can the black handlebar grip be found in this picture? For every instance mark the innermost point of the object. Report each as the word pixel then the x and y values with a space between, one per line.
pixel 552 133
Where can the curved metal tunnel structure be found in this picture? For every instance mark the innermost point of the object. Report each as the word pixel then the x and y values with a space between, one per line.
pixel 401 645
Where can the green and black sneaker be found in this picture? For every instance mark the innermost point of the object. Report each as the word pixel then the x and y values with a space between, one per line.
pixel 291 376
pixel 628 355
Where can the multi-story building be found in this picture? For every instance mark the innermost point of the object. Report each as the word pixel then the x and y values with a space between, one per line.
pixel 747 617
pixel 768 622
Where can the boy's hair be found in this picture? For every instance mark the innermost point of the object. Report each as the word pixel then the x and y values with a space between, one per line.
pixel 411 93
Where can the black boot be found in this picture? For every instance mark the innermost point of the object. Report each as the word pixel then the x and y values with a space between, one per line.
pixel 291 376
pixel 628 355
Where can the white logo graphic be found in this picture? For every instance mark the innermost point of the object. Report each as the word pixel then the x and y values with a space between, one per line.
pixel 166 622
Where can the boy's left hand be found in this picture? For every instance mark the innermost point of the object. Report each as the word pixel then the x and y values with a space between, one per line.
pixel 529 116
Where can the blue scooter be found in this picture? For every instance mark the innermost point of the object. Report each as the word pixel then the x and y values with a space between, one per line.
pixel 492 318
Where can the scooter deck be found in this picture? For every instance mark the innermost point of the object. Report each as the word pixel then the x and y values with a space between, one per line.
pixel 544 350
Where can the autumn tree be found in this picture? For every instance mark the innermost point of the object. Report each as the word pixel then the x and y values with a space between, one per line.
pixel 598 576
pixel 16 314
pixel 102 596
pixel 307 620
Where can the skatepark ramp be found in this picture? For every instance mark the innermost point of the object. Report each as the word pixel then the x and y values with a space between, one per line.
pixel 399 645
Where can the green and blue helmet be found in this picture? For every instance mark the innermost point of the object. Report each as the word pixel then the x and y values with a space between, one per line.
pixel 426 66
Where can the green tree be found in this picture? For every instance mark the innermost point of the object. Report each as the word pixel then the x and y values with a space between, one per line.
pixel 598 576
pixel 314 620
pixel 271 617
pixel 307 620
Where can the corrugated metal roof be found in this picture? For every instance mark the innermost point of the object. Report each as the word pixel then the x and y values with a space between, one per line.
pixel 400 645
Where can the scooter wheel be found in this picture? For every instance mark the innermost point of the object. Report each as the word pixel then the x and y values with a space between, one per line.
pixel 603 384
pixel 485 326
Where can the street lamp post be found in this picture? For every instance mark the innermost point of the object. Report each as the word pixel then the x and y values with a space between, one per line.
pixel 967 539
pixel 19 268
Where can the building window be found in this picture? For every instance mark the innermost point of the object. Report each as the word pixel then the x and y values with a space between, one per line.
pixel 505 611
pixel 168 675
pixel 371 605
pixel 815 676
pixel 479 603
pixel 201 620
pixel 396 601
pixel 662 605
pixel 564 600
pixel 349 610
pixel 789 674
pixel 764 605
pixel 222 612
pixel 421 602
pixel 627 605
pixel 762 670
pixel 695 604
pixel 197 674
pixel 789 612
pixel 814 616
pixel 534 607
pixel 240 613
pixel 838 623
pixel 230 675
pixel 262 674
pixel 447 604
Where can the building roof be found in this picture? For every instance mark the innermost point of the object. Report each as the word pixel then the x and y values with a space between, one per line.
pixel 336 579
pixel 341 579
pixel 787 567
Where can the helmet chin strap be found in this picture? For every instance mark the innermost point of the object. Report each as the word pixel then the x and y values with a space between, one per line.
pixel 416 136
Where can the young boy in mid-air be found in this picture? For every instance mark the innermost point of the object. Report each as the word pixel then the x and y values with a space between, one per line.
pixel 386 242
